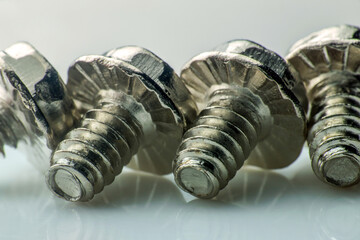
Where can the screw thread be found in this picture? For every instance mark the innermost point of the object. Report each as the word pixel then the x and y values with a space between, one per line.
pixel 94 153
pixel 12 129
pixel 221 139
pixel 334 123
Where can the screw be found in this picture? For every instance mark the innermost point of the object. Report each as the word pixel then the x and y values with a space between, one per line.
pixel 328 63
pixel 34 104
pixel 135 105
pixel 247 112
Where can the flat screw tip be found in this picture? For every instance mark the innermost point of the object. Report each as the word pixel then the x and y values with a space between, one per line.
pixel 197 180
pixel 68 184
pixel 342 171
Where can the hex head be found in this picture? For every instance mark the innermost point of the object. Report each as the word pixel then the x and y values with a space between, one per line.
pixel 155 86
pixel 41 90
pixel 331 49
pixel 163 76
pixel 255 70
pixel 268 59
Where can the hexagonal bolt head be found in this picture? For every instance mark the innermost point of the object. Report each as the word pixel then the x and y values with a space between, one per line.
pixel 135 107
pixel 34 104
pixel 248 111
pixel 328 62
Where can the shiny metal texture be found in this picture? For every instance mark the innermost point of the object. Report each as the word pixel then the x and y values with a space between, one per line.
pixel 35 107
pixel 328 62
pixel 248 111
pixel 135 107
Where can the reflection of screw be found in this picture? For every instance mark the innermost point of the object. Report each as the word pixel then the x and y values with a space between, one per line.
pixel 135 104
pixel 34 104
pixel 250 114
pixel 328 63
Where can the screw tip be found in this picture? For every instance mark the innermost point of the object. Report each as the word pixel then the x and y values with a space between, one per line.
pixel 193 178
pixel 342 171
pixel 69 184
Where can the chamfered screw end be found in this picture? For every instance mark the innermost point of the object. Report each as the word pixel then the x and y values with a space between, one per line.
pixel 339 166
pixel 342 172
pixel 197 180
pixel 69 184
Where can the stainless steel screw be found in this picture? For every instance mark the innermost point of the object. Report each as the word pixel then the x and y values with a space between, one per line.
pixel 135 105
pixel 247 112
pixel 34 104
pixel 328 62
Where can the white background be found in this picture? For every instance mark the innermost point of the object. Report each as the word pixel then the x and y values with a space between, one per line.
pixel 286 204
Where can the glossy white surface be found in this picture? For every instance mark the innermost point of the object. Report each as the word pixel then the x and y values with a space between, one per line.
pixel 256 205
pixel 286 204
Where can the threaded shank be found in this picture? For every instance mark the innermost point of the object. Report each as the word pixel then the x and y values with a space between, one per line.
pixel 92 155
pixel 221 139
pixel 334 123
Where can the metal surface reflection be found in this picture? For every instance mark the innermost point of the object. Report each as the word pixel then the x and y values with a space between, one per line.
pixel 206 219
pixel 134 200
pixel 330 213
pixel 250 197
pixel 254 187
pixel 137 206
pixel 139 190
pixel 25 202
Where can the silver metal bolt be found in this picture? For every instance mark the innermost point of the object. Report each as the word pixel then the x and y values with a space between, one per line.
pixel 135 106
pixel 35 107
pixel 248 111
pixel 328 63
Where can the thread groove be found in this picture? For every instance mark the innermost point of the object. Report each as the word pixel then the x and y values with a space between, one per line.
pixel 116 122
pixel 235 119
